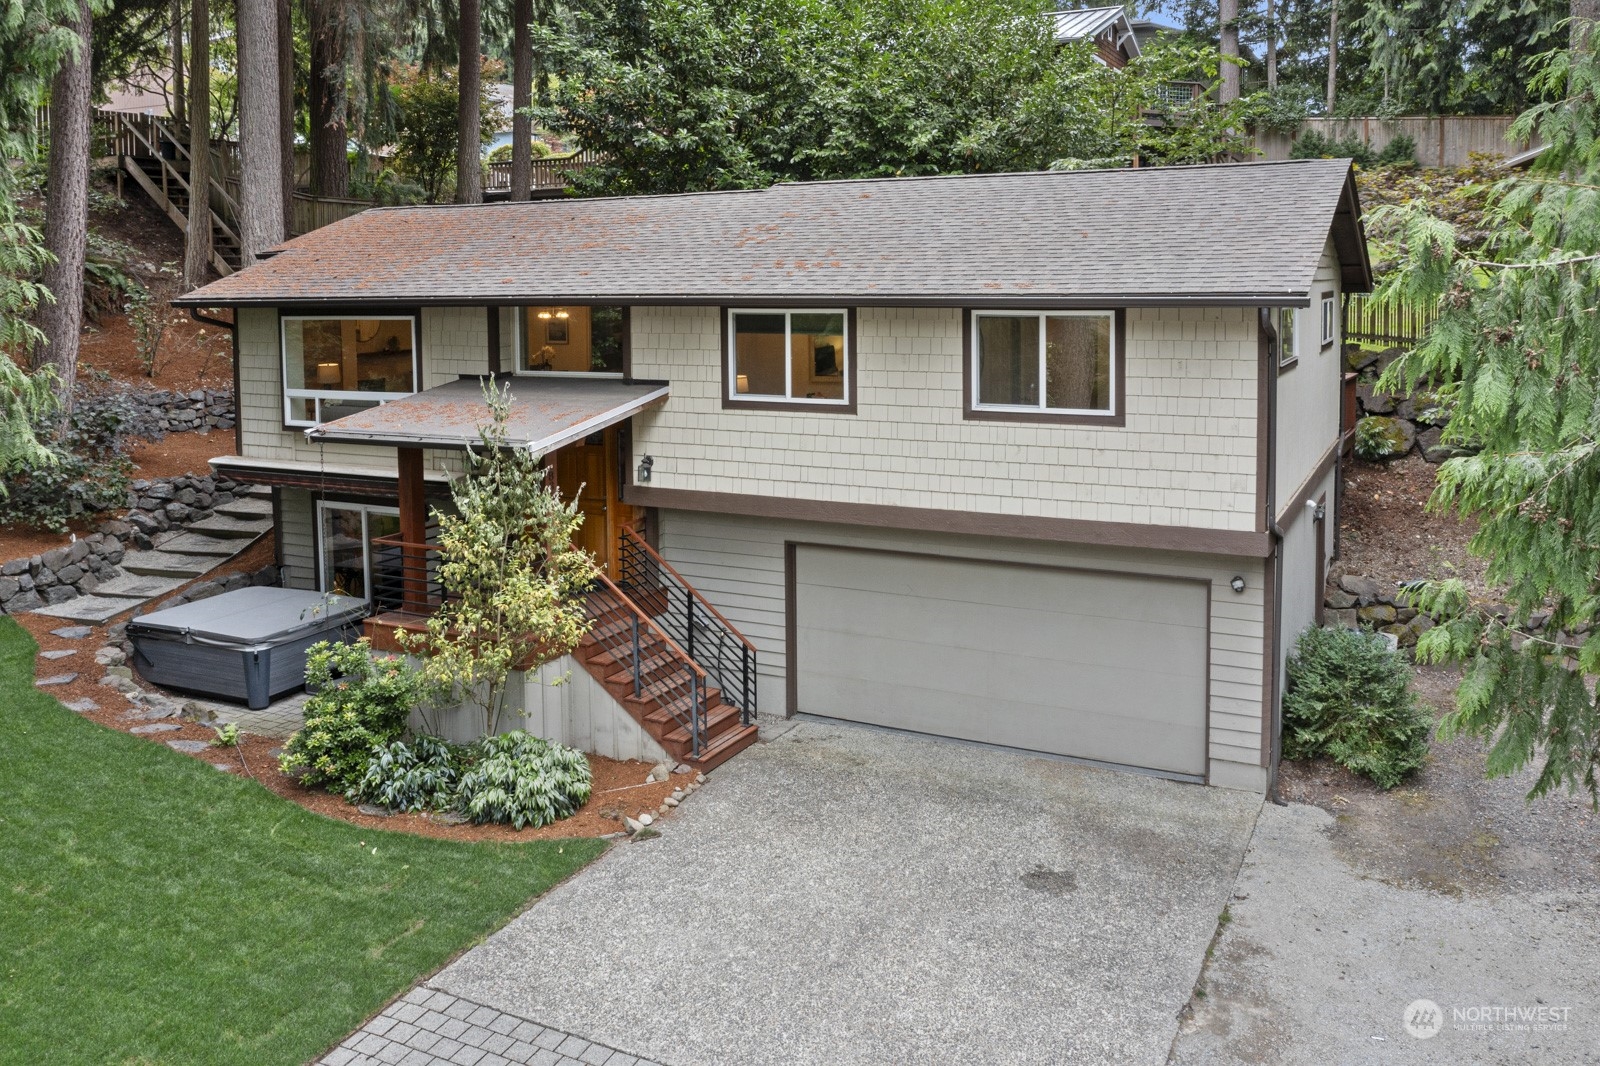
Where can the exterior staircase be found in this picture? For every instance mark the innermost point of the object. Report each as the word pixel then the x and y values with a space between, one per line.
pixel 156 156
pixel 670 658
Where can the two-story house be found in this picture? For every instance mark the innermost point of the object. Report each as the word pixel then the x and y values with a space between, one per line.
pixel 1046 461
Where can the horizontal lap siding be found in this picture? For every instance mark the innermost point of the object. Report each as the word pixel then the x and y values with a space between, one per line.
pixel 1186 457
pixel 298 516
pixel 737 563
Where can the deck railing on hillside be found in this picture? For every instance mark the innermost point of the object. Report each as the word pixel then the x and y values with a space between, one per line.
pixel 1366 320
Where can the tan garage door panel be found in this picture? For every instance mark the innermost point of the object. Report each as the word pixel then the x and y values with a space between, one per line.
pixel 1093 665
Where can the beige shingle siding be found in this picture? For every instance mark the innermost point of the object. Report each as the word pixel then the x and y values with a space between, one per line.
pixel 1309 395
pixel 1186 456
pixel 737 563
pixel 454 341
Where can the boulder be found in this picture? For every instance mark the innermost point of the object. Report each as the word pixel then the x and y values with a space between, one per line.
pixel 60 594
pixel 1374 403
pixel 1365 589
pixel 9 587
pixel 1384 438
pixel 1378 615
pixel 1339 599
pixel 160 490
pixel 1434 450
pixel 27 600
pixel 78 551
pixel 70 574
pixel 55 558
pixel 1404 636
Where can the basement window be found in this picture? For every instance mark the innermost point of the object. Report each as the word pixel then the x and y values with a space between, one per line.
pixel 333 367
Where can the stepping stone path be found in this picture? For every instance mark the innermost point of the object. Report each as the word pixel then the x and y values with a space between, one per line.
pixel 156 727
pixel 147 575
pixel 58 679
pixel 83 706
pixel 72 632
pixel 60 653
pixel 188 747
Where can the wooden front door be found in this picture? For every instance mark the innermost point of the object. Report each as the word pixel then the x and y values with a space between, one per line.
pixel 588 470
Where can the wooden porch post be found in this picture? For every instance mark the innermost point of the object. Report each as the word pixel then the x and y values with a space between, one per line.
pixel 413 530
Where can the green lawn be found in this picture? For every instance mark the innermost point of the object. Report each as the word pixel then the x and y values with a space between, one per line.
pixel 155 910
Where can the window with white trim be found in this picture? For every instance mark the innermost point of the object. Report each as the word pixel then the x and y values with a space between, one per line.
pixel 351 564
pixel 335 366
pixel 788 357
pixel 1288 342
pixel 1330 319
pixel 1057 362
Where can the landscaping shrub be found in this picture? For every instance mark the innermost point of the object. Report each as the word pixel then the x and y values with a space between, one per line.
pixel 361 702
pixel 419 776
pixel 1402 150
pixel 88 471
pixel 1313 145
pixel 521 779
pixel 1349 698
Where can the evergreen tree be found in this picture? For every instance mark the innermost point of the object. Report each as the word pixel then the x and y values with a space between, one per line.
pixel 1516 352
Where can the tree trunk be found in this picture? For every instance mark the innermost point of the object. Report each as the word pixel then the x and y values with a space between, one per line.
pixel 469 143
pixel 330 159
pixel 1228 45
pixel 1272 46
pixel 1333 53
pixel 197 249
pixel 260 154
pixel 286 111
pixel 521 99
pixel 1584 14
pixel 66 217
pixel 180 106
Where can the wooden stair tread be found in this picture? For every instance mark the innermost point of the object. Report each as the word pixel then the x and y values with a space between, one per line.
pixel 724 748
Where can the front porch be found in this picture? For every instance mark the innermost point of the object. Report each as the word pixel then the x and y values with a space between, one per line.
pixel 656 647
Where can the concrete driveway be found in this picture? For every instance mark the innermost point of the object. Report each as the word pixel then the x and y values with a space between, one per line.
pixel 843 895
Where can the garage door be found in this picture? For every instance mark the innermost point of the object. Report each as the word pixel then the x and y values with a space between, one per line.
pixel 1092 665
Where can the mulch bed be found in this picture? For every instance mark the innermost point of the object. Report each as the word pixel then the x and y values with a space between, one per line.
pixel 619 786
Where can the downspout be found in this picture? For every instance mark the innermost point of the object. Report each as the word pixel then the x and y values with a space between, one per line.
pixel 1275 560
pixel 233 337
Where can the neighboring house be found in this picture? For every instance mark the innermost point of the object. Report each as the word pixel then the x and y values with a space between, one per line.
pixel 1115 42
pixel 1039 460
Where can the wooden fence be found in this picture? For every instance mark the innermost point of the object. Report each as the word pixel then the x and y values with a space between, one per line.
pixel 1368 321
pixel 548 173
pixel 1442 140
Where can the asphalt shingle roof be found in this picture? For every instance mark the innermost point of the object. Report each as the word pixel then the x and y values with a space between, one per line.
pixel 1233 233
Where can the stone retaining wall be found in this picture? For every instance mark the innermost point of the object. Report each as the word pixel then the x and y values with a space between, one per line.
pixel 179 412
pixel 1402 423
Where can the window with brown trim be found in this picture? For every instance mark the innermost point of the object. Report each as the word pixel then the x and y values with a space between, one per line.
pixel 788 357
pixel 1052 363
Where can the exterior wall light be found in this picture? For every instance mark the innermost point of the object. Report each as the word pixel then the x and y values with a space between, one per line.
pixel 1237 584
pixel 645 466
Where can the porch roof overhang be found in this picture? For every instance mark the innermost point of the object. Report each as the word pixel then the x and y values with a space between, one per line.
pixel 546 413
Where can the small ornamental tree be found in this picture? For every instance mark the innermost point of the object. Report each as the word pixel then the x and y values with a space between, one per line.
pixel 513 583
pixel 1516 352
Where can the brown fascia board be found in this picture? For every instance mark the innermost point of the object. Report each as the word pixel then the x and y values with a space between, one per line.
pixel 1091 302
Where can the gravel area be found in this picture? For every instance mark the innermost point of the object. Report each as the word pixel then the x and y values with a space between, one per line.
pixel 1452 888
pixel 845 895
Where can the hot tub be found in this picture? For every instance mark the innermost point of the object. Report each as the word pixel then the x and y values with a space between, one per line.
pixel 248 645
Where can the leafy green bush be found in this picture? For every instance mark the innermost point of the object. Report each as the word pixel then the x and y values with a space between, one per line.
pixel 1349 698
pixel 361 702
pixel 521 779
pixel 538 146
pixel 1378 438
pixel 419 776
pixel 87 471
pixel 1399 151
pixel 1313 145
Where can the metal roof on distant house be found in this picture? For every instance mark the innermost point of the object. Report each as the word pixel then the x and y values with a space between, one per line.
pixel 1245 233
pixel 1085 24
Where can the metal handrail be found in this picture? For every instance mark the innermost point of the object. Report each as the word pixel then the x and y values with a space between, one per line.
pixel 699 628
pixel 681 685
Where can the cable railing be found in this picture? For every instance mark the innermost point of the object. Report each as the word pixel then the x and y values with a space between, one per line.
pixel 655 665
pixel 678 607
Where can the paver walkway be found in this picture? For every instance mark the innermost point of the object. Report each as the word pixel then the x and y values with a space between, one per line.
pixel 427 1027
